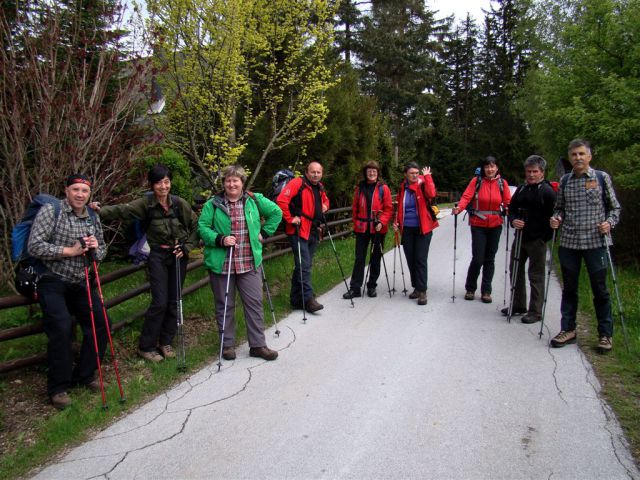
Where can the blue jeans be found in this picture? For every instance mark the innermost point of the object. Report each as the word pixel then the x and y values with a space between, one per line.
pixel 484 245
pixel 596 262
pixel 307 251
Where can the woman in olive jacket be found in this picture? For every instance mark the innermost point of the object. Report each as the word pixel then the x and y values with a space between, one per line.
pixel 230 227
pixel 172 232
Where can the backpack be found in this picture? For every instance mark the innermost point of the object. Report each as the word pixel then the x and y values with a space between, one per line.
pixel 140 249
pixel 29 269
pixel 280 179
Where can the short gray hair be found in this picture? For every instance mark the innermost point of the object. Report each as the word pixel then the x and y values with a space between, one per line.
pixel 234 171
pixel 535 161
pixel 579 142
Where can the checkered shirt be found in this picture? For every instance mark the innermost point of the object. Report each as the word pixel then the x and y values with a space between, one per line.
pixel 581 208
pixel 49 236
pixel 242 256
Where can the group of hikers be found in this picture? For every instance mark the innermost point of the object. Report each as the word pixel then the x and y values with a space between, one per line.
pixel 234 224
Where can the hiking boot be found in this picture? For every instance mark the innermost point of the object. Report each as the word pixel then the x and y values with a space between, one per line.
pixel 351 293
pixel 469 295
pixel 422 297
pixel 530 318
pixel 154 356
pixel 93 385
pixel 564 338
pixel 263 352
pixel 515 311
pixel 312 305
pixel 415 294
pixel 485 297
pixel 167 351
pixel 60 400
pixel 371 292
pixel 229 353
pixel 605 344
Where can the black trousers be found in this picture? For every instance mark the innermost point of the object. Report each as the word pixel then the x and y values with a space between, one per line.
pixel 484 245
pixel 416 250
pixel 60 301
pixel 161 319
pixel 362 248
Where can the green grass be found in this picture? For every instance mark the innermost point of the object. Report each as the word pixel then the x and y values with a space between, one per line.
pixel 142 381
pixel 619 371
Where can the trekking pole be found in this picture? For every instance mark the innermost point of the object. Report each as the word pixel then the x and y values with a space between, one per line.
pixel 333 245
pixel 93 325
pixel 397 241
pixel 226 298
pixel 455 237
pixel 384 265
pixel 506 264
pixel 182 353
pixel 304 309
pixel 108 328
pixel 394 270
pixel 546 287
pixel 366 277
pixel 273 313
pixel 607 238
pixel 517 241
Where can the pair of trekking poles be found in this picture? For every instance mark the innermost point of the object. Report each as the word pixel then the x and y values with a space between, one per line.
pixel 89 259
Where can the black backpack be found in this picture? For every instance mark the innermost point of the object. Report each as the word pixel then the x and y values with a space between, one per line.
pixel 280 179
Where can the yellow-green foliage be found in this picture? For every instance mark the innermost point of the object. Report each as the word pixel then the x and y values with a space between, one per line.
pixel 228 64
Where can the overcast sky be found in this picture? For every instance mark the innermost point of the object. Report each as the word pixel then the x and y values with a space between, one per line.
pixel 460 8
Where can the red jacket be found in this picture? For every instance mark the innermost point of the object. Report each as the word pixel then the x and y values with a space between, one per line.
pixel 489 200
pixel 381 209
pixel 425 191
pixel 288 193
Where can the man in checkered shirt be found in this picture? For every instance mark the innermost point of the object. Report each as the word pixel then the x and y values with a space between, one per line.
pixel 586 214
pixel 60 243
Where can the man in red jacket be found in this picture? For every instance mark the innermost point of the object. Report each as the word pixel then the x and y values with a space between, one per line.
pixel 303 202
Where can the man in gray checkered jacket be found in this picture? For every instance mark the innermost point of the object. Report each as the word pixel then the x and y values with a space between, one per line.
pixel 586 208
pixel 61 242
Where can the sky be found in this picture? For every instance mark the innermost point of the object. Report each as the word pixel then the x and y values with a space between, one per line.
pixel 460 8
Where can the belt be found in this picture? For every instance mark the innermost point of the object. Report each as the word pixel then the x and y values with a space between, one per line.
pixel 482 213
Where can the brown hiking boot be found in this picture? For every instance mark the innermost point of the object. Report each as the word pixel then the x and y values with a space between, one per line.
pixel 154 356
pixel 167 351
pixel 60 400
pixel 263 352
pixel 422 297
pixel 312 305
pixel 93 385
pixel 415 294
pixel 469 295
pixel 229 353
pixel 531 318
pixel 564 338
pixel 486 298
pixel 605 344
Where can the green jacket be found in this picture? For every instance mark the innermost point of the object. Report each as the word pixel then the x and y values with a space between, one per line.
pixel 161 229
pixel 214 224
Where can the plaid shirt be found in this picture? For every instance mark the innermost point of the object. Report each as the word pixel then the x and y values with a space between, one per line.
pixel 49 236
pixel 242 256
pixel 580 205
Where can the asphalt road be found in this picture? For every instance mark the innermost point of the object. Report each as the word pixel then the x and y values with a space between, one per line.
pixel 387 389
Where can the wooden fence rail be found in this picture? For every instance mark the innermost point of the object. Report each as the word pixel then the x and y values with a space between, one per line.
pixel 36 328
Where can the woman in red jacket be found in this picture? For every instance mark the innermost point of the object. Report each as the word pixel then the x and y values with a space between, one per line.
pixel 372 209
pixel 488 196
pixel 416 223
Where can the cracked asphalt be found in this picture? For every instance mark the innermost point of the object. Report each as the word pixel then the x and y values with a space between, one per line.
pixel 387 389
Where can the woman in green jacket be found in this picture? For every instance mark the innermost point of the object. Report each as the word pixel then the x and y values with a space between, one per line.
pixel 232 233
pixel 172 231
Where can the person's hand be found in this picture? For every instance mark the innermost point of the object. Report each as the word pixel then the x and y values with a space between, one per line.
pixel 94 206
pixel 518 224
pixel 229 241
pixel 178 250
pixel 604 228
pixel 324 208
pixel 555 222
pixel 260 238
pixel 75 250
pixel 455 211
pixel 395 227
pixel 426 171
pixel 90 242
pixel 378 226
pixel 295 221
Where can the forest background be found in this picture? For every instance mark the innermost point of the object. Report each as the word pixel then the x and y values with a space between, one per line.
pixel 200 84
